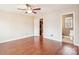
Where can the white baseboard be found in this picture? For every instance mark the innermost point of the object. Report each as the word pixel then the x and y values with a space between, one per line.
pixel 54 39
pixel 16 38
pixel 50 38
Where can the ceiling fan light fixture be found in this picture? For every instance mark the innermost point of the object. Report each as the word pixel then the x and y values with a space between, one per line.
pixel 29 10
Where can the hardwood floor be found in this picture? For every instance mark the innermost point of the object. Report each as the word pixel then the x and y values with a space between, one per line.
pixel 33 46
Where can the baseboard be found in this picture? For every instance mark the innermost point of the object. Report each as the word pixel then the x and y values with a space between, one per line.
pixel 53 39
pixel 32 36
pixel 49 38
pixel 18 38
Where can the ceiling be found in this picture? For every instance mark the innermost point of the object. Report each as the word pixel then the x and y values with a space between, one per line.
pixel 44 7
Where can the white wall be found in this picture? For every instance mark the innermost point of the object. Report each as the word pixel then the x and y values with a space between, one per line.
pixel 76 41
pixel 52 29
pixel 14 26
pixel 53 24
pixel 36 26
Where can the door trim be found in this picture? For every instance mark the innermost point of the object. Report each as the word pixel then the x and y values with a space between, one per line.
pixel 65 13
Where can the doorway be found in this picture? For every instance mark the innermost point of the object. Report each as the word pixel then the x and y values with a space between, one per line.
pixel 41 29
pixel 68 28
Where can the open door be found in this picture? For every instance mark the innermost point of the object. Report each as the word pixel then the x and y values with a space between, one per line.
pixel 67 28
pixel 41 29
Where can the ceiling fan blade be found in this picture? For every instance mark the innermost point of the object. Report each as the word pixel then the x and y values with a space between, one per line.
pixel 37 9
pixel 21 9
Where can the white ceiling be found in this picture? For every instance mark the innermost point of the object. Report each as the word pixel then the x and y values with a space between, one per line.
pixel 44 7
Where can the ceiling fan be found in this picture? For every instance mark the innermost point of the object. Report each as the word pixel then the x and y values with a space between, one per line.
pixel 29 9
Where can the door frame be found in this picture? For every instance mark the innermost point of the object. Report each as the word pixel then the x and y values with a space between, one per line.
pixel 65 13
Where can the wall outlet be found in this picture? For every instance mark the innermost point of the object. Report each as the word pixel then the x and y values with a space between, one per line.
pixel 51 34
